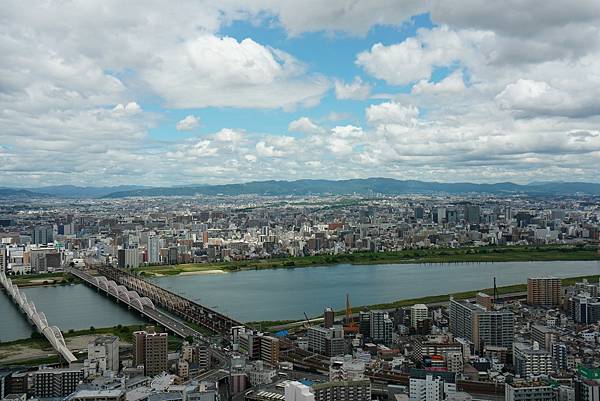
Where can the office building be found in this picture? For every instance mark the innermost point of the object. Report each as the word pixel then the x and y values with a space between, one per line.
pixel 472 214
pixel 153 249
pixel 42 235
pixel 296 391
pixel 269 350
pixel 343 391
pixel 418 313
pixel 381 327
pixel 55 383
pixel 430 388
pixel 480 326
pixel 128 258
pixel 528 391
pixel 543 291
pixel 150 350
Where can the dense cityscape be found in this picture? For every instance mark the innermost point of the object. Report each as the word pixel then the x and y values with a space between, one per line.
pixel 300 200
pixel 536 342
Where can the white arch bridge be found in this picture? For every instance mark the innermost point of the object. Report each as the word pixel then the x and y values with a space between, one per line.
pixel 38 319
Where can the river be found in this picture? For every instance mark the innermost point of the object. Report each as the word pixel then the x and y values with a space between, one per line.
pixel 285 293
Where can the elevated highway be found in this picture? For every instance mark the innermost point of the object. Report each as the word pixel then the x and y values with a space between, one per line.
pixel 38 319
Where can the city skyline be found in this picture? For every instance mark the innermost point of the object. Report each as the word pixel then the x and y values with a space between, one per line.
pixel 96 93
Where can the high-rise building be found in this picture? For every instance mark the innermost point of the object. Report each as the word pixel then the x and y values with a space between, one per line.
pixel 430 389
pixel 381 326
pixel 326 341
pixel 480 326
pixel 560 354
pixel 473 214
pixel 128 258
pixel 150 350
pixel 543 291
pixel 530 360
pixel 42 235
pixel 153 249
pixel 55 383
pixel 269 350
pixel 418 312
pixel 328 317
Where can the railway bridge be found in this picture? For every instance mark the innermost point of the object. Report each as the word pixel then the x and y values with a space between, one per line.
pixel 171 302
pixel 142 304
pixel 38 319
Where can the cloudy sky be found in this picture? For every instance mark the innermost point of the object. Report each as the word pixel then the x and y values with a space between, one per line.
pixel 103 92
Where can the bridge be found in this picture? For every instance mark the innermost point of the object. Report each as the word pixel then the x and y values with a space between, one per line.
pixel 133 300
pixel 38 319
pixel 182 307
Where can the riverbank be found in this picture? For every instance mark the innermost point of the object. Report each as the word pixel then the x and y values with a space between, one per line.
pixel 441 255
pixel 428 300
pixel 37 350
pixel 34 280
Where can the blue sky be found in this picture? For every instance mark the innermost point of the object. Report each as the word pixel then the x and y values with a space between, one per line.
pixel 331 54
pixel 101 92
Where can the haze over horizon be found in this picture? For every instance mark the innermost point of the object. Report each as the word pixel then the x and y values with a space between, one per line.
pixel 101 93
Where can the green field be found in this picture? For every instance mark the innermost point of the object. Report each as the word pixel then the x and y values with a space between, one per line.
pixel 442 255
pixel 30 280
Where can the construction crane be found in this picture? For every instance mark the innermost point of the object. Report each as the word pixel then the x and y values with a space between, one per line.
pixel 307 324
pixel 350 327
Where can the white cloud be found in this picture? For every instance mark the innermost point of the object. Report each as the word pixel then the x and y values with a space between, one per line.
pixel 229 135
pixel 130 108
pixel 213 71
pixel 414 58
pixel 188 123
pixel 392 113
pixel 306 126
pixel 356 90
pixel 453 83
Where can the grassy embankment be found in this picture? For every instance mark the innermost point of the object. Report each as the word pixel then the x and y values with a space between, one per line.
pixel 442 255
pixel 31 280
pixel 509 289
pixel 40 349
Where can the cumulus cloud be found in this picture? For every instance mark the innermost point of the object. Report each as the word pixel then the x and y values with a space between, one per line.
pixel 229 135
pixel 213 71
pixel 130 108
pixel 453 83
pixel 392 113
pixel 188 123
pixel 356 90
pixel 306 126
pixel 414 58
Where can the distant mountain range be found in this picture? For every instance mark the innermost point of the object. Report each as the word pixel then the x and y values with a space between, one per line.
pixel 366 186
pixel 385 186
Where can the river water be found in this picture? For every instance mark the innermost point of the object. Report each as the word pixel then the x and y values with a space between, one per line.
pixel 284 293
